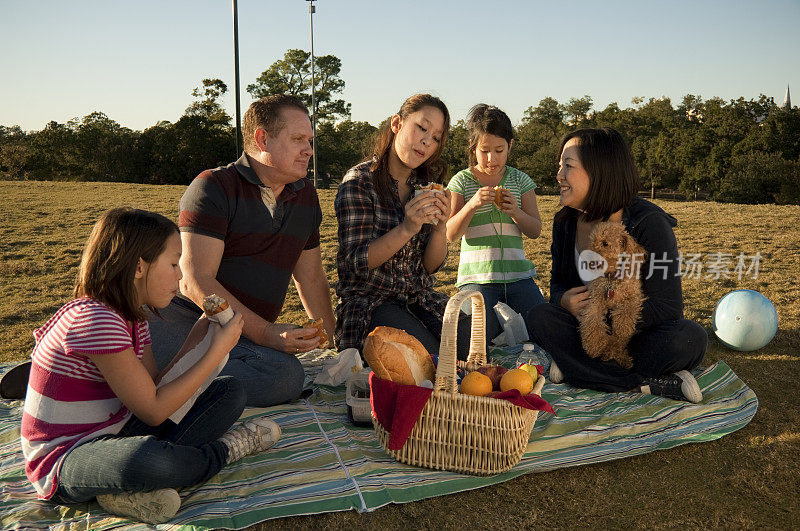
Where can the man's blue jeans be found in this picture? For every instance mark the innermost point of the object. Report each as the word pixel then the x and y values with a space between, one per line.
pixel 269 376
pixel 521 296
pixel 141 458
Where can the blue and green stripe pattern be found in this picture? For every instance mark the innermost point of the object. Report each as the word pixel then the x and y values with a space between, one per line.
pixel 491 248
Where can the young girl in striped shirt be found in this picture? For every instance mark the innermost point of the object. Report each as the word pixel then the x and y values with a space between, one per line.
pixel 492 259
pixel 95 424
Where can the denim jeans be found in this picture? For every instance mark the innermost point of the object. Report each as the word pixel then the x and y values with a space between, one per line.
pixel 141 458
pixel 668 347
pixel 421 324
pixel 269 376
pixel 521 296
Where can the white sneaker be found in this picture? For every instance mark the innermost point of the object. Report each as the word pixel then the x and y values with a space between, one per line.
pixel 679 386
pixel 154 507
pixel 250 437
pixel 556 376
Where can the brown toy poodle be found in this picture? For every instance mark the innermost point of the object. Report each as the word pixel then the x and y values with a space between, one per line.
pixel 615 299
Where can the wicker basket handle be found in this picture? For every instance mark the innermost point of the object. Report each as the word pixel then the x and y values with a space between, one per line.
pixel 446 370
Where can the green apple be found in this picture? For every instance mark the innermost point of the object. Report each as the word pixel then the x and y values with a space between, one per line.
pixel 530 369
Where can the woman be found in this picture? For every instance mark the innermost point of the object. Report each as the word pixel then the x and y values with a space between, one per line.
pixel 598 182
pixel 391 240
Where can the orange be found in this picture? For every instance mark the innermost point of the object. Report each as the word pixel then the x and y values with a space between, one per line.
pixel 530 369
pixel 517 379
pixel 476 384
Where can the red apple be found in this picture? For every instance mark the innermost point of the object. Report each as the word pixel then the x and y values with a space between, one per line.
pixel 495 373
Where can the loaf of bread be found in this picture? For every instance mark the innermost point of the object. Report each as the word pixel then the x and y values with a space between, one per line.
pixel 319 326
pixel 397 356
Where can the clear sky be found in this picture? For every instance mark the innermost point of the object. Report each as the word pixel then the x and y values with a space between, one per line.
pixel 138 61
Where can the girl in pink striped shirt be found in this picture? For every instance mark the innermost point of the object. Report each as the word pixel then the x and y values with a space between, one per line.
pixel 95 424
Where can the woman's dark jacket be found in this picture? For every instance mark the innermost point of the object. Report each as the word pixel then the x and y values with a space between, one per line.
pixel 651 227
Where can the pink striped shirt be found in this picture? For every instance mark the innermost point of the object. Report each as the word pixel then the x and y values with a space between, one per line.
pixel 68 401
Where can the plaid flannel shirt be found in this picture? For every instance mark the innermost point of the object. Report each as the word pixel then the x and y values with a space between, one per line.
pixel 362 219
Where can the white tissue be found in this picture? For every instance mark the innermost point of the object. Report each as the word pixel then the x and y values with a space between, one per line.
pixel 514 329
pixel 338 369
pixel 193 356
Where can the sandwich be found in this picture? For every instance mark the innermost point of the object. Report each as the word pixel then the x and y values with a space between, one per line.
pixel 498 196
pixel 217 309
pixel 319 326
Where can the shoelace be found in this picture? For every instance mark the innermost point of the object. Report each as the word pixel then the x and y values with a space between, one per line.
pixel 243 441
pixel 664 381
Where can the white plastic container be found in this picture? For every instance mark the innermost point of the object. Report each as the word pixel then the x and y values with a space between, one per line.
pixel 359 410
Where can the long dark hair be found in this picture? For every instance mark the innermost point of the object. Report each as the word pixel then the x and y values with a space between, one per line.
pixel 432 170
pixel 613 178
pixel 112 252
pixel 484 119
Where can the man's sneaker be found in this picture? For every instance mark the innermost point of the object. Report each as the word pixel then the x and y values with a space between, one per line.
pixel 556 376
pixel 154 507
pixel 678 386
pixel 250 437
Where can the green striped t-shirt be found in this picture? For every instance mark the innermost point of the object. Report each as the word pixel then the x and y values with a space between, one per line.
pixel 491 248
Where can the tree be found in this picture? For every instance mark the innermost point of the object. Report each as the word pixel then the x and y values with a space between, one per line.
pixel 535 152
pixel 102 148
pixel 54 153
pixel 292 75
pixel 548 113
pixel 174 153
pixel 757 177
pixel 455 149
pixel 14 152
pixel 578 111
pixel 207 105
pixel 340 147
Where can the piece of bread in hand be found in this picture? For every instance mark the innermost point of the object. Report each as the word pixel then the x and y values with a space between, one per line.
pixel 214 304
pixel 498 196
pixel 436 187
pixel 217 309
pixel 398 356
pixel 319 325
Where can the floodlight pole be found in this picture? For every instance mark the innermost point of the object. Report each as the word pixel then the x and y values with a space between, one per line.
pixel 236 75
pixel 311 11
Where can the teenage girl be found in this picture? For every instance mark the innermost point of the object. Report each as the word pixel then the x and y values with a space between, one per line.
pixel 389 245
pixel 598 182
pixel 492 259
pixel 95 423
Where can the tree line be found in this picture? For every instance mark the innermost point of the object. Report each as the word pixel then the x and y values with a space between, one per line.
pixel 744 151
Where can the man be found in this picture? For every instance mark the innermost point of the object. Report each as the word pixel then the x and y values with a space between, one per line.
pixel 246 229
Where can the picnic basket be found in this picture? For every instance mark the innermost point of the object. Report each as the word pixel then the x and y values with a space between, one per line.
pixel 463 433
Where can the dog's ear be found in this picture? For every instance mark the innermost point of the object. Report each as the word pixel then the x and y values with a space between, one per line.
pixel 632 247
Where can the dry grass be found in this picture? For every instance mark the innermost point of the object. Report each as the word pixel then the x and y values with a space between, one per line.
pixel 749 479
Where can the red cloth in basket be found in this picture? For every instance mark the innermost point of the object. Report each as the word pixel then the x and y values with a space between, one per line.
pixel 397 407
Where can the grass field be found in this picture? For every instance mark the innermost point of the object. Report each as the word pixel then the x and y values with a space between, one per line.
pixel 750 479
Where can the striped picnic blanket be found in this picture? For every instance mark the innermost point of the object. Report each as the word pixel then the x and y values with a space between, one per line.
pixel 323 463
